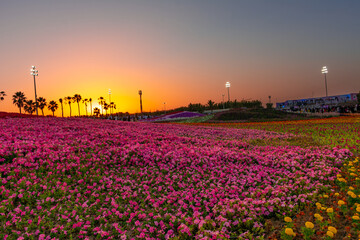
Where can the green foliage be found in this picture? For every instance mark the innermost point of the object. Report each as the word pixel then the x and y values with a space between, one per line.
pixel 8 158
pixel 256 115
pixel 269 105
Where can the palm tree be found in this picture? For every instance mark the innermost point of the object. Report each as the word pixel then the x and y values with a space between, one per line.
pixel 90 100
pixel 77 98
pixel 68 101
pixel 96 111
pixel 62 109
pixel 106 107
pixel 53 106
pixel 101 102
pixel 2 95
pixel 19 100
pixel 42 104
pixel 112 105
pixel 30 106
pixel 85 101
pixel 211 105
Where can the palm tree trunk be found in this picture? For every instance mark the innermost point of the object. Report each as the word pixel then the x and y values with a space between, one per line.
pixel 20 109
pixel 53 113
pixel 79 108
pixel 91 108
pixel 70 108
pixel 62 110
pixel 42 110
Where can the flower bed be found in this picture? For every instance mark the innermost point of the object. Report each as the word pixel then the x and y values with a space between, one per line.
pixel 84 178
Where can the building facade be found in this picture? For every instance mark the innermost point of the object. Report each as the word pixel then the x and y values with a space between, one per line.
pixel 320 103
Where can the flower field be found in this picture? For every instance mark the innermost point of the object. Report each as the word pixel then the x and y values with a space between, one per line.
pixel 336 214
pixel 102 179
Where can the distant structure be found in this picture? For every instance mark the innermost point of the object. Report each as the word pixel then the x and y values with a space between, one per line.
pixel 140 93
pixel 227 85
pixel 320 103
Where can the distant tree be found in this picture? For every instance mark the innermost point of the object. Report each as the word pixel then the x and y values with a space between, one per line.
pixel 102 102
pixel 68 101
pixel 106 107
pixel 190 107
pixel 90 101
pixel 19 100
pixel 77 99
pixel 30 106
pixel 112 105
pixel 269 105
pixel 96 112
pixel 211 105
pixel 53 106
pixel 197 107
pixel 62 109
pixel 85 101
pixel 2 95
pixel 42 104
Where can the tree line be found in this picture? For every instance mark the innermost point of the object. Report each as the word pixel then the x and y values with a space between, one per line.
pixel 211 105
pixel 29 106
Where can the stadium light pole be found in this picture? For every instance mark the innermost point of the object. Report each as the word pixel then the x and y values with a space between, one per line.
pixel 324 71
pixel 140 93
pixel 34 72
pixel 227 85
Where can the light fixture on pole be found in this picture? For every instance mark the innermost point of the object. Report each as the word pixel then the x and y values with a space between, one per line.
pixel 140 93
pixel 227 85
pixel 324 71
pixel 34 72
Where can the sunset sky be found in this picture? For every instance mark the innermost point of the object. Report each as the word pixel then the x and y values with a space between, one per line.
pixel 178 51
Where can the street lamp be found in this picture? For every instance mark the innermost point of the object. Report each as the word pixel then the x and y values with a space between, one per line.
pixel 34 72
pixel 140 93
pixel 227 85
pixel 324 71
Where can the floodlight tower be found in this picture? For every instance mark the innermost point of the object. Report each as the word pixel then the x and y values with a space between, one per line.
pixel 324 71
pixel 140 93
pixel 34 72
pixel 227 85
